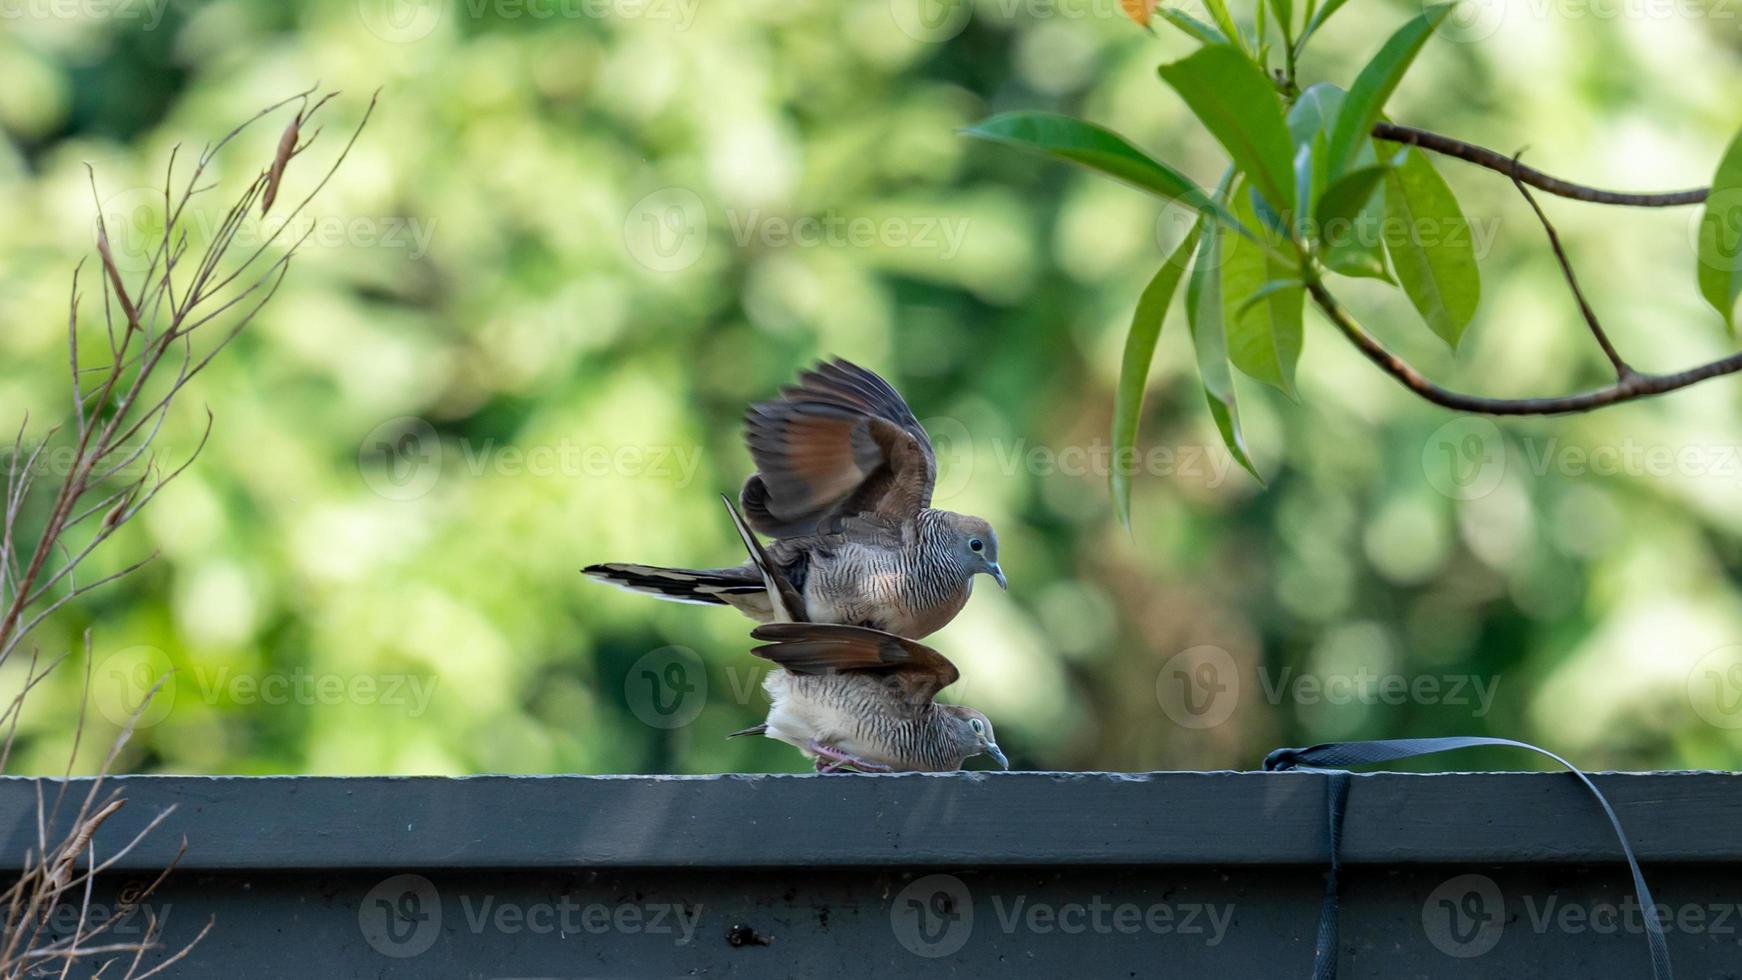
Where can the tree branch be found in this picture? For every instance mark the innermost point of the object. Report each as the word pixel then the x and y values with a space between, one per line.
pixel 1500 163
pixel 1629 388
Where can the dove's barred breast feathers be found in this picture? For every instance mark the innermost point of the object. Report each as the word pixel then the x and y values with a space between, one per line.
pixel 852 711
pixel 912 584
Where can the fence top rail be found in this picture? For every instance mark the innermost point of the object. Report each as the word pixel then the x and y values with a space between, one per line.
pixel 962 820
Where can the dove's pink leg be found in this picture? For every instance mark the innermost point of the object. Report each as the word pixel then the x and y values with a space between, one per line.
pixel 837 759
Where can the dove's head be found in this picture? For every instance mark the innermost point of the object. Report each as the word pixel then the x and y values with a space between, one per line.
pixel 973 733
pixel 975 546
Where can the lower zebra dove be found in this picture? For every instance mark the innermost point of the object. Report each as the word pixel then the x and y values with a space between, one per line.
pixel 847 696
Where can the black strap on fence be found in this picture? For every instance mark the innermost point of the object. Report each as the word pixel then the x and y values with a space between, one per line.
pixel 1334 758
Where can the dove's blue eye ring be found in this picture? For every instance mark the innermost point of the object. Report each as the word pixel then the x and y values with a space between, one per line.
pixel 979 729
pixel 975 544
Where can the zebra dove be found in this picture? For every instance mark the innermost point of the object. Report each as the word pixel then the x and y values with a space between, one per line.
pixel 844 484
pixel 850 697
pixel 847 696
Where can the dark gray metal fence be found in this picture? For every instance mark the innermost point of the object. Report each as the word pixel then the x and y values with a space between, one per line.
pixel 969 875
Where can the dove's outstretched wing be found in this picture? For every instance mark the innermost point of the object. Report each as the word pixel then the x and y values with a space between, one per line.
pixel 839 444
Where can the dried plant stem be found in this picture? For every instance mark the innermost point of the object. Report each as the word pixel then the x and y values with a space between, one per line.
pixel 118 408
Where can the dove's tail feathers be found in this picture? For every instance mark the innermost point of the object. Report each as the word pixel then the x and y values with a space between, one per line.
pixel 761 729
pixel 705 586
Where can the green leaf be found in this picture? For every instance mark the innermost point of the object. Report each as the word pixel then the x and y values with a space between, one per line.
pixel 1366 99
pixel 1192 26
pixel 1227 416
pixel 1350 217
pixel 1239 106
pixel 1264 291
pixel 1720 242
pixel 1219 13
pixel 1284 10
pixel 1314 110
pixel 1345 198
pixel 1309 122
pixel 1317 21
pixel 1431 246
pixel 1264 338
pixel 1204 318
pixel 1134 367
pixel 1099 149
pixel 1308 183
pixel 1352 246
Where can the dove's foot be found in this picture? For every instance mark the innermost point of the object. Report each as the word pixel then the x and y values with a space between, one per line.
pixel 831 759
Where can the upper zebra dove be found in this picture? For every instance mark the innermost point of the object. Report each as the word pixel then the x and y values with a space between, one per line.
pixel 844 485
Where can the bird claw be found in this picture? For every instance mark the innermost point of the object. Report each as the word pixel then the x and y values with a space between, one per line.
pixel 837 761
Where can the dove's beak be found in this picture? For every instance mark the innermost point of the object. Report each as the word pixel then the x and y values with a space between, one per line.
pixel 998 576
pixel 997 755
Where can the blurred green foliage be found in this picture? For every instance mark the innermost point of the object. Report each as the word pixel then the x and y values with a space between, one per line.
pixel 578 238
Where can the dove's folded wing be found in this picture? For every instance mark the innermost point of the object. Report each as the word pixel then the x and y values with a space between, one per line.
pixel 816 648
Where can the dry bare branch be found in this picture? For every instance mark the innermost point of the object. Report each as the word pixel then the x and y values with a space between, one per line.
pixel 119 409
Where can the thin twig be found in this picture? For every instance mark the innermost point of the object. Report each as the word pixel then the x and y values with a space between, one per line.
pixel 1622 369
